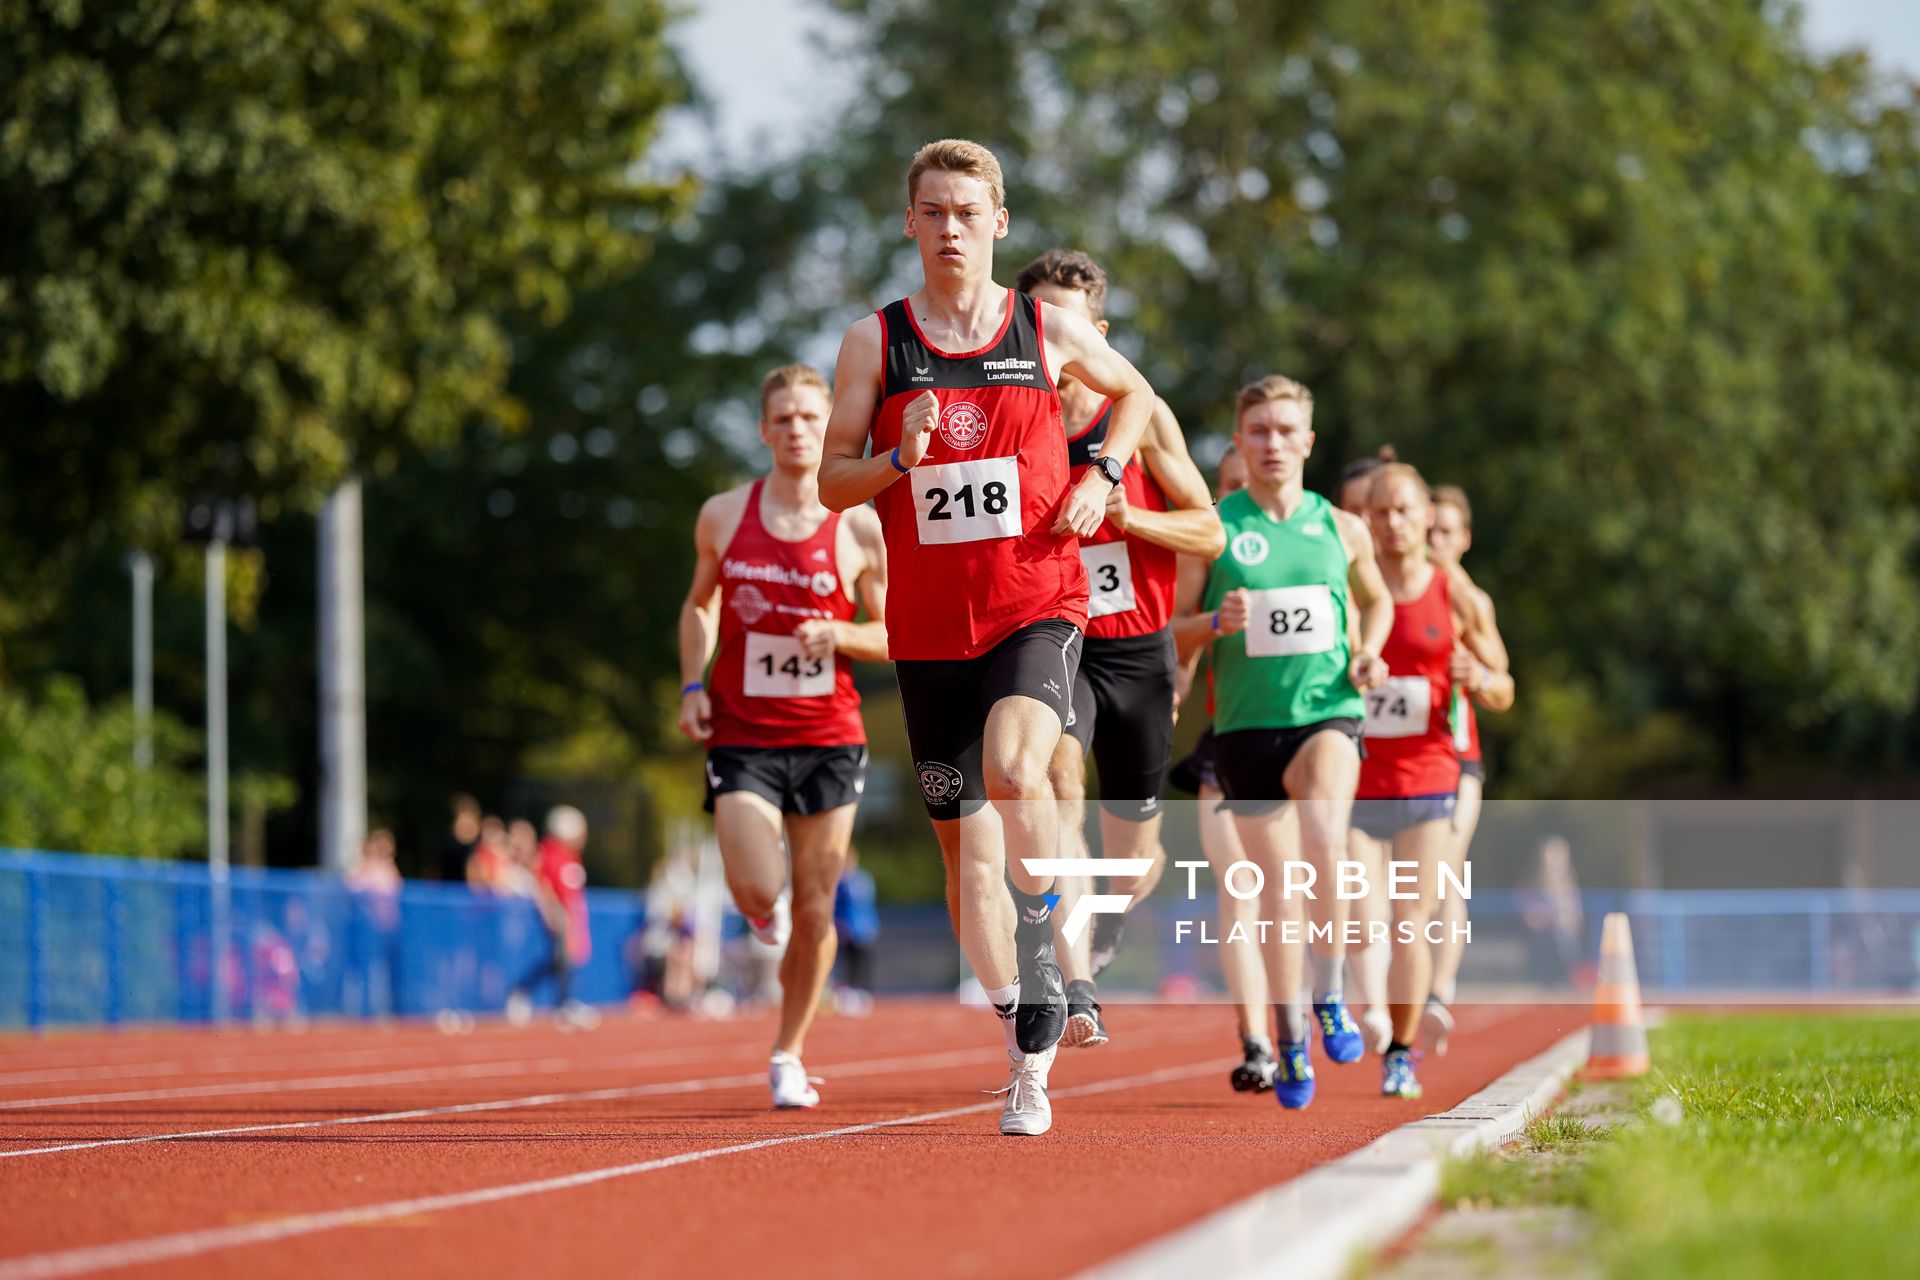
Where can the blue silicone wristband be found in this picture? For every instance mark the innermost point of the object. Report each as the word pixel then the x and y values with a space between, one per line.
pixel 692 688
pixel 894 458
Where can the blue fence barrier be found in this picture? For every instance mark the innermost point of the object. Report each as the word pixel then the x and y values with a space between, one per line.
pixel 87 940
pixel 95 940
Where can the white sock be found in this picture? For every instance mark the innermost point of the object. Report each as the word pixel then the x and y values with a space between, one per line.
pixel 1329 978
pixel 1005 1000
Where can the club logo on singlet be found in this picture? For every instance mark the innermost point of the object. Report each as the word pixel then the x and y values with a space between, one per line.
pixel 751 604
pixel 963 424
pixel 938 782
pixel 1250 547
pixel 823 583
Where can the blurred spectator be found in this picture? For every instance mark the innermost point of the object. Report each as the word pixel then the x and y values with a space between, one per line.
pixel 857 920
pixel 491 867
pixel 458 841
pixel 561 892
pixel 1556 923
pixel 375 883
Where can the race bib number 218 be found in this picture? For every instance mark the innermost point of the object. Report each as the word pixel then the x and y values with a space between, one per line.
pixel 968 501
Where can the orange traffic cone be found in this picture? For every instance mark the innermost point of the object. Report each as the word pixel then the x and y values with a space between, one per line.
pixel 1618 1048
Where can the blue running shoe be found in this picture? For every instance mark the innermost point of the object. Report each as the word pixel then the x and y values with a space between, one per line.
pixel 1398 1080
pixel 1339 1033
pixel 1293 1076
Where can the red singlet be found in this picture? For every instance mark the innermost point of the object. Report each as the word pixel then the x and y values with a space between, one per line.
pixel 1130 581
pixel 1409 742
pixel 969 534
pixel 766 692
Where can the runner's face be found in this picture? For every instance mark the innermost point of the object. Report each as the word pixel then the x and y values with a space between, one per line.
pixel 793 426
pixel 1353 495
pixel 1274 439
pixel 1399 514
pixel 1074 300
pixel 1450 537
pixel 955 223
pixel 1233 474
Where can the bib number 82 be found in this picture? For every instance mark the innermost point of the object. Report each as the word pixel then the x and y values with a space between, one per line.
pixel 1285 622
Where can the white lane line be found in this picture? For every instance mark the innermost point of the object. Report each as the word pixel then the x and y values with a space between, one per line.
pixel 413 1075
pixel 413 1047
pixel 426 1049
pixel 186 1244
pixel 871 1066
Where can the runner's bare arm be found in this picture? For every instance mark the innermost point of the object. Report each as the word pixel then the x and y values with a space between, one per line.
pixel 1192 629
pixel 848 477
pixel 700 614
pixel 1479 663
pixel 1190 525
pixel 1370 597
pixel 867 641
pixel 1076 348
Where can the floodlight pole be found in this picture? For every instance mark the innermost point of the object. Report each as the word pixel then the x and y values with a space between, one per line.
pixel 141 565
pixel 220 923
pixel 343 682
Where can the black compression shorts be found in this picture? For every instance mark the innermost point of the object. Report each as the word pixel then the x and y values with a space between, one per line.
pixel 947 701
pixel 1123 708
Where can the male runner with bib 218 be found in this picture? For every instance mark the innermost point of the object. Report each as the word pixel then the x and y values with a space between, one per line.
pixel 1288 708
pixel 1123 694
pixel 786 748
pixel 954 387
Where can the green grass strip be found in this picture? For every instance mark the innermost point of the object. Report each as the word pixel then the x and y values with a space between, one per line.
pixel 1794 1150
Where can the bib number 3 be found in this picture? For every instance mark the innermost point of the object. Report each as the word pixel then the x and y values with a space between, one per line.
pixel 1287 621
pixel 777 667
pixel 967 501
pixel 1399 708
pixel 1109 578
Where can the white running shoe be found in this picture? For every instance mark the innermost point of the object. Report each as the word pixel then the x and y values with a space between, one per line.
pixel 774 929
pixel 519 1010
pixel 1436 1027
pixel 575 1016
pixel 1379 1027
pixel 792 1087
pixel 1027 1111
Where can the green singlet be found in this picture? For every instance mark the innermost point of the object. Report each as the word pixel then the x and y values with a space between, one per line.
pixel 1289 668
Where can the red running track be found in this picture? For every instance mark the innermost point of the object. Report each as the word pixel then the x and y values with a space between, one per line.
pixel 646 1147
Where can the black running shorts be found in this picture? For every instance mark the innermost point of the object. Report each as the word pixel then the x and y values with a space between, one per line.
pixel 1123 707
pixel 1252 763
pixel 1197 771
pixel 800 781
pixel 946 702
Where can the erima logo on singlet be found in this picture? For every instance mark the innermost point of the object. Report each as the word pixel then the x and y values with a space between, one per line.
pixel 1313 530
pixel 1249 547
pixel 922 373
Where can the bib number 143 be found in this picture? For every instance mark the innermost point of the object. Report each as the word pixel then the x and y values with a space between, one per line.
pixel 777 667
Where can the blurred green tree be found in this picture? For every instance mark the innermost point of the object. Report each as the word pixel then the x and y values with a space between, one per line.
pixel 68 782
pixel 1628 272
pixel 253 246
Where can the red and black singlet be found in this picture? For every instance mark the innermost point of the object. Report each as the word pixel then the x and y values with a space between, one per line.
pixel 765 690
pixel 971 553
pixel 1130 581
pixel 1409 740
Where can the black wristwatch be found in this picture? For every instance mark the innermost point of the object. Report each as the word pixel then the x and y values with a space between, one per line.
pixel 1110 468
